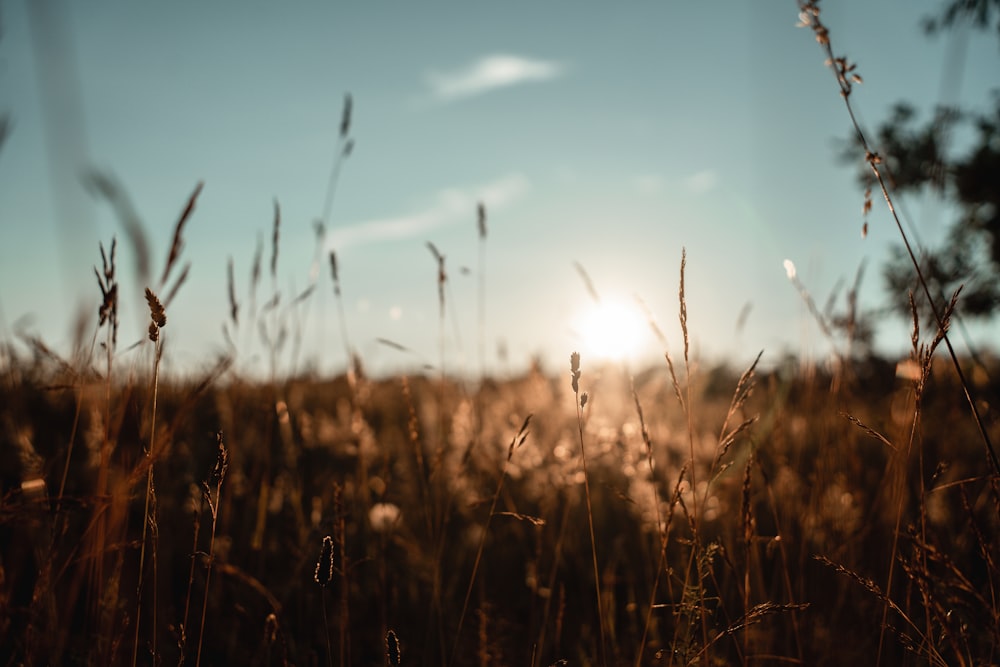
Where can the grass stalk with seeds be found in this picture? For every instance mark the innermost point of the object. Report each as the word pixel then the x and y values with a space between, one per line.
pixel 694 567
pixel 349 354
pixel 344 148
pixel 324 576
pixel 846 76
pixel 515 443
pixel 580 401
pixel 662 530
pixel 340 541
pixel 158 320
pixel 184 628
pixel 481 226
pixel 108 316
pixel 215 479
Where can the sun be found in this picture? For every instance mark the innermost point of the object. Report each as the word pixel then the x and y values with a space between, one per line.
pixel 611 330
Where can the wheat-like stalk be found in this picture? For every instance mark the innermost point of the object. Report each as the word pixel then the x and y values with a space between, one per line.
pixel 324 576
pixel 157 320
pixel 214 483
pixel 580 402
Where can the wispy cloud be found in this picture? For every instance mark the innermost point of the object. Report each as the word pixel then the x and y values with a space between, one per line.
pixel 702 182
pixel 449 206
pixel 489 73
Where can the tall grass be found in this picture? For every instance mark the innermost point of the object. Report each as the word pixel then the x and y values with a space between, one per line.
pixel 782 477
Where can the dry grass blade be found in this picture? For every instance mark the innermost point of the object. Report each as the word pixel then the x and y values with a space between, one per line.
pixel 743 316
pixel 807 298
pixel 303 295
pixel 334 274
pixel 515 442
pixel 869 430
pixel 519 438
pixel 534 520
pixel 587 283
pixel 581 401
pixel 660 336
pixel 177 284
pixel 872 588
pixel 177 244
pixel 214 483
pixel 956 579
pixel 275 237
pixel 255 266
pixel 683 306
pixel 744 387
pixel 434 251
pixel 345 117
pixel 661 528
pixel 758 613
pixel 985 549
pixel 234 308
pixel 442 277
pixel 729 438
pixel 393 344
pixel 5 128
pixel 112 191
pixel 747 511
pixel 642 425
pixel 272 303
pixel 346 147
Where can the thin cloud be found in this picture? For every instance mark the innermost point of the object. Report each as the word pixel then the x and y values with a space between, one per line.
pixel 702 182
pixel 450 206
pixel 490 73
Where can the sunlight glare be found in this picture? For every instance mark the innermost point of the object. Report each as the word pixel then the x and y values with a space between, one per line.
pixel 611 330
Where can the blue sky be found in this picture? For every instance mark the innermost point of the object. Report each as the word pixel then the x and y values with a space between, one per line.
pixel 605 134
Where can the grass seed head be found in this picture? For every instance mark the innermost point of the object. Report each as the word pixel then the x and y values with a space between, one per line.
pixel 221 462
pixel 108 310
pixel 392 652
pixel 324 566
pixel 574 369
pixel 157 315
pixel 275 237
pixel 345 117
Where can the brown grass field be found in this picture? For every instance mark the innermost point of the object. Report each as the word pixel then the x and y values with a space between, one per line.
pixel 785 514
pixel 827 517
